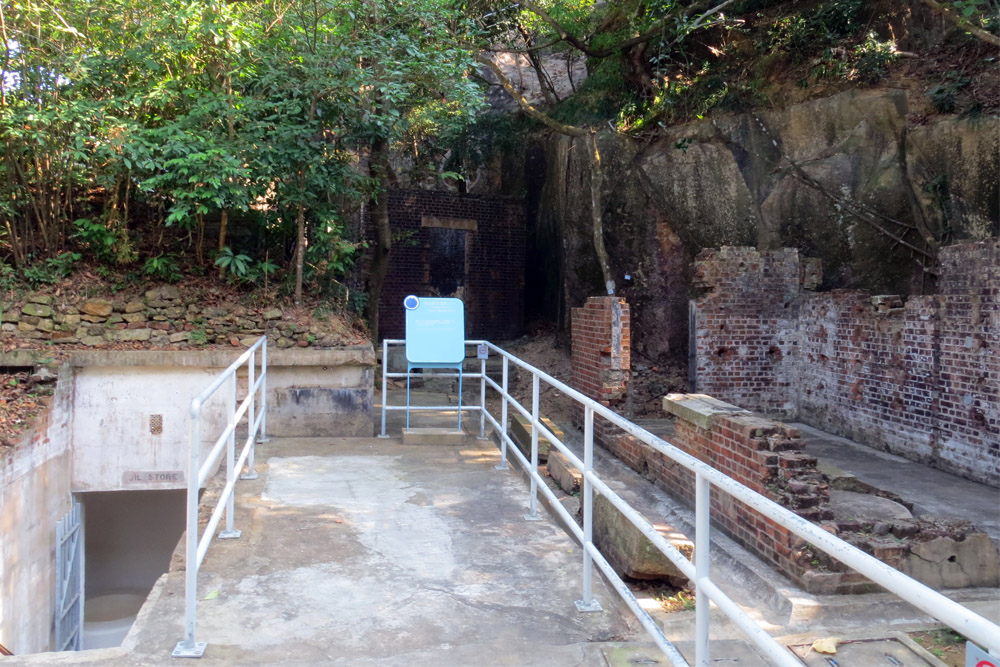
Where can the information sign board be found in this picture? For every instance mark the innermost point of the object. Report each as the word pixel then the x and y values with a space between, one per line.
pixel 435 330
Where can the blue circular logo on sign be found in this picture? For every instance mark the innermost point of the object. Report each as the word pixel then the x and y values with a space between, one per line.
pixel 411 302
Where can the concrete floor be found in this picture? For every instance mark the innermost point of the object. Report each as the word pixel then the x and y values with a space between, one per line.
pixel 364 551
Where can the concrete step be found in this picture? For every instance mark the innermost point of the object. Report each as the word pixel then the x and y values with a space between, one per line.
pixel 433 436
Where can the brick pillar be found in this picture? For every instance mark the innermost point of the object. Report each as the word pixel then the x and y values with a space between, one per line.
pixel 601 356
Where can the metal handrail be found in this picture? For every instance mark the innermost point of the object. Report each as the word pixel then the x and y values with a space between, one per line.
pixel 199 471
pixel 964 621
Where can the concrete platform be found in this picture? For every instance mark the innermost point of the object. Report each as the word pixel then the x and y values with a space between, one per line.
pixel 933 492
pixel 363 551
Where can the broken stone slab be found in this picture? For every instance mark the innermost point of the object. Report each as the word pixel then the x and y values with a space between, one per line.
pixel 520 431
pixel 568 477
pixel 864 506
pixel 631 553
pixel 944 562
pixel 699 409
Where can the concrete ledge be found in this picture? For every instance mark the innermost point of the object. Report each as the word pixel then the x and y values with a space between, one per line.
pixel 520 431
pixel 563 473
pixel 699 409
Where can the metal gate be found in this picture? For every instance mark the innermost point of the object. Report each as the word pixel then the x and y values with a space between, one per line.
pixel 69 581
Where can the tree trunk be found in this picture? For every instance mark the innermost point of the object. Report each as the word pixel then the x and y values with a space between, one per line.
pixel 300 251
pixel 597 213
pixel 378 207
pixel 223 222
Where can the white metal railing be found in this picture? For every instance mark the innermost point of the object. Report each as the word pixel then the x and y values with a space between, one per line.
pixel 199 471
pixel 962 620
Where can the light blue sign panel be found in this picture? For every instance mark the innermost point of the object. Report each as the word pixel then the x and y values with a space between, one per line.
pixel 435 331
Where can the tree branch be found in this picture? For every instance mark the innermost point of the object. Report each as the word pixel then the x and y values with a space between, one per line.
pixel 568 130
pixel 657 29
pixel 954 18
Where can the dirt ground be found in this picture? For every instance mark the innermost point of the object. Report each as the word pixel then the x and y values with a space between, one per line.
pixel 648 384
pixel 21 400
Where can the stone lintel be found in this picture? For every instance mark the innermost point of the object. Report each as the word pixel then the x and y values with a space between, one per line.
pixel 699 409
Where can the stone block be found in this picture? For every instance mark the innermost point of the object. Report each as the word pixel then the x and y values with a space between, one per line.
pixel 520 430
pixel 43 299
pixel 163 293
pixel 45 325
pixel 630 552
pixel 129 335
pixel 134 306
pixel 38 310
pixel 134 317
pixel 272 314
pixel 569 478
pixel 97 307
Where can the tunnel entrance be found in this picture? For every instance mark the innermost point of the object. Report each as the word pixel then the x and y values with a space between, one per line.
pixel 129 537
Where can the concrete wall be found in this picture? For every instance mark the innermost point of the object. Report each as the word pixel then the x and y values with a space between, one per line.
pixel 311 393
pixel 34 495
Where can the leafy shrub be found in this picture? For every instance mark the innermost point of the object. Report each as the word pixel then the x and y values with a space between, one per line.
pixel 873 57
pixel 237 265
pixel 944 95
pixel 52 270
pixel 163 267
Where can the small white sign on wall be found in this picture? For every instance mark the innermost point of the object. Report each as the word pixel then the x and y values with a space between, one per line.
pixel 153 477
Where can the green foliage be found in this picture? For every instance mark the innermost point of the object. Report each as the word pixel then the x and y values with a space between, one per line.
pixel 945 95
pixel 872 57
pixel 236 265
pixel 163 267
pixel 50 270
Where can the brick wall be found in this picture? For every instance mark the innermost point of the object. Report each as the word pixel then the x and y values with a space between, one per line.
pixel 744 327
pixel 486 234
pixel 920 378
pixel 767 457
pixel 601 352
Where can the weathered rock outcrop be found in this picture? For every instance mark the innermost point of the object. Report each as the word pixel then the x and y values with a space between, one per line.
pixel 727 181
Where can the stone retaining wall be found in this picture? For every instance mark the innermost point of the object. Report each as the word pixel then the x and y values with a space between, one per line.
pixel 164 316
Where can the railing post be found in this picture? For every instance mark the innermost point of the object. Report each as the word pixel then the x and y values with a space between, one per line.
pixel 503 419
pixel 482 399
pixel 252 411
pixel 702 565
pixel 588 602
pixel 188 647
pixel 532 515
pixel 263 392
pixel 385 381
pixel 230 533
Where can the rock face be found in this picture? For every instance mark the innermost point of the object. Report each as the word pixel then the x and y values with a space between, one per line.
pixel 728 181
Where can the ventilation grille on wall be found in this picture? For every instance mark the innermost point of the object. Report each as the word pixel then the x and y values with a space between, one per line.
pixel 156 424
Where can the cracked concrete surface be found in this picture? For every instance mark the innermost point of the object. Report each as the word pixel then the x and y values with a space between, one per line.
pixel 365 551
